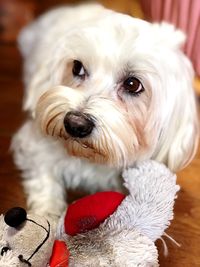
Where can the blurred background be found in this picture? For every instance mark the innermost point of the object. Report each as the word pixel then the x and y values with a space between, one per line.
pixel 184 14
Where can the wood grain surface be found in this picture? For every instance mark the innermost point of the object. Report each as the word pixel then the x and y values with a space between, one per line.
pixel 185 227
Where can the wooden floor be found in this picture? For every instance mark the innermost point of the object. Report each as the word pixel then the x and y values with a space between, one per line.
pixel 185 227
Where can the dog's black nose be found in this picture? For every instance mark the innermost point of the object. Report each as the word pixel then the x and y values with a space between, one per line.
pixel 15 216
pixel 78 124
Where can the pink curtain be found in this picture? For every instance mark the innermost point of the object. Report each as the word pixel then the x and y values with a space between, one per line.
pixel 184 14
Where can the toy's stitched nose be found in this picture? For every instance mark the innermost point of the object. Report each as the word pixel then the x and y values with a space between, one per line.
pixel 15 216
pixel 78 124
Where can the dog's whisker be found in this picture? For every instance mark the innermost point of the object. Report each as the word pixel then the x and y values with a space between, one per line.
pixel 60 133
pixel 84 145
pixel 53 131
pixel 51 120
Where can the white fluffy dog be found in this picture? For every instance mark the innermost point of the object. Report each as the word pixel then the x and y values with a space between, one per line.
pixel 103 91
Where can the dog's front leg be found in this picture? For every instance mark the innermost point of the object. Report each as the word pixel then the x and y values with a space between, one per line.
pixel 45 194
pixel 39 159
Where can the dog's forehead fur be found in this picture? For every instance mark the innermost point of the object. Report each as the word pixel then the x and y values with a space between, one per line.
pixel 114 41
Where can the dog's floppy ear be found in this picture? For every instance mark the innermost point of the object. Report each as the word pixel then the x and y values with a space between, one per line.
pixel 179 137
pixel 179 134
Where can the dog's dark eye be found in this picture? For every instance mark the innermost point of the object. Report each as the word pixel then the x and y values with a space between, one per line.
pixel 4 250
pixel 133 86
pixel 78 69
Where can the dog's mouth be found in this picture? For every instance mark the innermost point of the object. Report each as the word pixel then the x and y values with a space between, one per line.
pixel 84 144
pixel 78 147
pixel 83 148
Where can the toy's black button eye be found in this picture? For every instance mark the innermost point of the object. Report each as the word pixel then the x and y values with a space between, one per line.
pixel 15 216
pixel 4 250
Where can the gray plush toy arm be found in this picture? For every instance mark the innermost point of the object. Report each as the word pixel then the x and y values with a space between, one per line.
pixel 149 205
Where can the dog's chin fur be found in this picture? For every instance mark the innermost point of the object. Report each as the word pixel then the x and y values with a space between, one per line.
pixel 159 123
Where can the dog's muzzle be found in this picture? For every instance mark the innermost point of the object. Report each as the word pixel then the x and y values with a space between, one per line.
pixel 78 124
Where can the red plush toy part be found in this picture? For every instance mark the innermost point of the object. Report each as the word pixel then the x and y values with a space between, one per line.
pixel 88 212
pixel 60 255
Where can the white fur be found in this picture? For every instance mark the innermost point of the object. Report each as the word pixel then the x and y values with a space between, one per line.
pixel 160 123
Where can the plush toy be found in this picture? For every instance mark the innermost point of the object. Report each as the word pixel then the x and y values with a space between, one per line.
pixel 104 229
